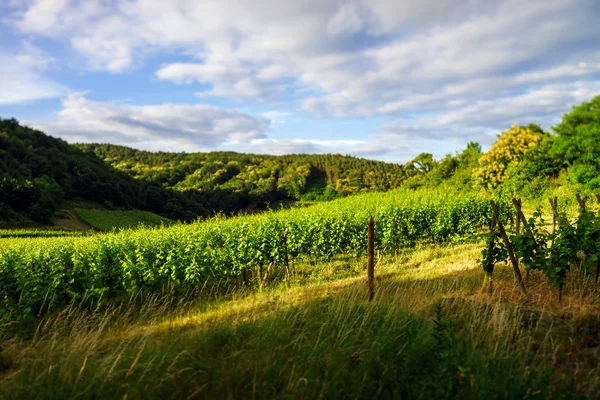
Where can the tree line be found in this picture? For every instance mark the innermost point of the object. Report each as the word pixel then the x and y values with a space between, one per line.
pixel 38 173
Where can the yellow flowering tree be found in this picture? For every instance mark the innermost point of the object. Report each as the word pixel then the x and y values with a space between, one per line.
pixel 507 150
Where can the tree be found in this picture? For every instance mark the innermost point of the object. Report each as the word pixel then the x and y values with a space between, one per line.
pixel 422 164
pixel 578 135
pixel 508 149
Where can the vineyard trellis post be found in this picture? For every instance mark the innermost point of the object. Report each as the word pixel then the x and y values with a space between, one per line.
pixel 518 204
pixel 490 248
pixel 597 262
pixel 371 256
pixel 285 255
pixel 264 280
pixel 509 249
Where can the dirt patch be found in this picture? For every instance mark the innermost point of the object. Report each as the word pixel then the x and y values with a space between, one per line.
pixel 71 222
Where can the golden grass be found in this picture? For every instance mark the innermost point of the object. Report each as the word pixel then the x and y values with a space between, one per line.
pixel 119 340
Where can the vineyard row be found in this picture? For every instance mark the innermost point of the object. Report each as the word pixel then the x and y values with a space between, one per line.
pixel 103 266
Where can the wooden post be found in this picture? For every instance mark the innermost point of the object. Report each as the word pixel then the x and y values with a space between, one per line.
pixel 517 204
pixel 598 263
pixel 285 254
pixel 269 269
pixel 508 245
pixel 520 216
pixel 581 202
pixel 66 281
pixel 371 256
pixel 490 248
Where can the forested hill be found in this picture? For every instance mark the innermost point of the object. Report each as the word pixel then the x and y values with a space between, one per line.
pixel 39 173
pixel 230 181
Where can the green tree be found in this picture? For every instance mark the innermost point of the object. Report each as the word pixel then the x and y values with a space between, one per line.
pixel 578 135
pixel 508 150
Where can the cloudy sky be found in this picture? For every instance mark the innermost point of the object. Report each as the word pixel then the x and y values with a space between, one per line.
pixel 383 79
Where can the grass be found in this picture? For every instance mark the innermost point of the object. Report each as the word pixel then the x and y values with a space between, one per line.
pixel 431 332
pixel 37 233
pixel 106 220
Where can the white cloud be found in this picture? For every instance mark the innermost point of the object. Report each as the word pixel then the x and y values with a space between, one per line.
pixel 176 127
pixel 22 80
pixel 33 57
pixel 439 69
pixel 152 127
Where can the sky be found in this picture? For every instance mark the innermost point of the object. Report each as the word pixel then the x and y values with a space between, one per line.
pixel 381 79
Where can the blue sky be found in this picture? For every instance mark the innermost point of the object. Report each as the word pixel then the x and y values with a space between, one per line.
pixel 382 79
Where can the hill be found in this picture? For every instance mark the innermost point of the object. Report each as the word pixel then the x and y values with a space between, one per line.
pixel 229 181
pixel 38 173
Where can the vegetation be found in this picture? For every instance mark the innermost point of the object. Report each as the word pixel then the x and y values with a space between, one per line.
pixel 572 245
pixel 274 305
pixel 147 260
pixel 229 182
pixel 37 233
pixel 321 337
pixel 509 149
pixel 38 173
pixel 106 220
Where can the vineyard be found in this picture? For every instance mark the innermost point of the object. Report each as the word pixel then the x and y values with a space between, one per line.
pixel 571 245
pixel 231 250
pixel 107 220
pixel 37 233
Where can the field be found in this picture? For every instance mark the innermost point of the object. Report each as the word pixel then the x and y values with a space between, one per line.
pixel 232 251
pixel 432 332
pixel 275 305
pixel 37 233
pixel 107 220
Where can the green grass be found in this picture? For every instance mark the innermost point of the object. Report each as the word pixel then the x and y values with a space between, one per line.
pixel 37 233
pixel 318 338
pixel 107 220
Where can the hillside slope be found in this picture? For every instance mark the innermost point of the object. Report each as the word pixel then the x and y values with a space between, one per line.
pixel 229 181
pixel 38 173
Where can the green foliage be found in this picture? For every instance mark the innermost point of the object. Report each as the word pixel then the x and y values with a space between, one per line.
pixel 336 347
pixel 106 220
pixel 222 249
pixel 493 252
pixel 576 145
pixel 577 135
pixel 530 245
pixel 37 233
pixel 508 150
pixel 574 245
pixel 38 173
pixel 230 182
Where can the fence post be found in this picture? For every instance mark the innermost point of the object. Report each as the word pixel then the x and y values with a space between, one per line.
pixel 518 203
pixel 520 216
pixel 511 255
pixel 490 248
pixel 371 256
pixel 285 254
